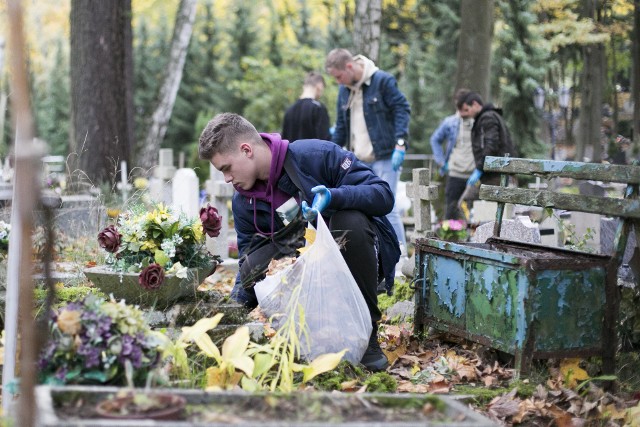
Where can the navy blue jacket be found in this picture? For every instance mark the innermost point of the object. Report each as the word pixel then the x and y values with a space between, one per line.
pixel 386 112
pixel 353 186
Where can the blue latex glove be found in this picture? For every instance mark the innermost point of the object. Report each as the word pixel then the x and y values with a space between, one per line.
pixel 444 169
pixel 397 158
pixel 320 202
pixel 474 179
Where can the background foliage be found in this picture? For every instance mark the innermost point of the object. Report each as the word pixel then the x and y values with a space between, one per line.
pixel 250 57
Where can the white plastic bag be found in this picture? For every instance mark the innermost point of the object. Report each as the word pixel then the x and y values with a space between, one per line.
pixel 336 314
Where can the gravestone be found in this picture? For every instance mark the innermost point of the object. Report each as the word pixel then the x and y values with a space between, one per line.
pixel 185 194
pixel 220 193
pixel 520 229
pixel 160 189
pixel 550 234
pixel 588 188
pixel 585 225
pixel 422 192
pixel 484 211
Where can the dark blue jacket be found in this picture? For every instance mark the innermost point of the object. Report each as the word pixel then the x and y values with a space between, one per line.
pixel 353 186
pixel 386 112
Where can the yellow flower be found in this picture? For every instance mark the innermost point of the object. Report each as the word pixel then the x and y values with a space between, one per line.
pixel 140 183
pixel 148 245
pixel 197 231
pixel 69 322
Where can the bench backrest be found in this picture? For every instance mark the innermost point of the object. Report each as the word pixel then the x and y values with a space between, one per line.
pixel 628 208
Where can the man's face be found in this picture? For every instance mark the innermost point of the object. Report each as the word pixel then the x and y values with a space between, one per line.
pixel 238 166
pixel 470 111
pixel 343 77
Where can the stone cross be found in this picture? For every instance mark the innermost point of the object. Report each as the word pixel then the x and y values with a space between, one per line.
pixel 422 192
pixel 220 192
pixel 159 185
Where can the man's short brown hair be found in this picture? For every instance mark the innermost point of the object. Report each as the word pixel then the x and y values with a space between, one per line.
pixel 338 59
pixel 312 78
pixel 223 132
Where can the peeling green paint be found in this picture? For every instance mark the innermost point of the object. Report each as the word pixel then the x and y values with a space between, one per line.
pixel 560 298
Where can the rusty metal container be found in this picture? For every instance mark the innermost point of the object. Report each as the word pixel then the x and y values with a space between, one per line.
pixel 528 300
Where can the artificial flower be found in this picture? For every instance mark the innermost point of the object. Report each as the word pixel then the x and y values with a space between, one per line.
pixel 69 321
pixel 109 239
pixel 151 277
pixel 211 220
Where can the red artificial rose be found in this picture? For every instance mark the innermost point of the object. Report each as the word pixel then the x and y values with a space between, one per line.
pixel 211 221
pixel 151 277
pixel 109 239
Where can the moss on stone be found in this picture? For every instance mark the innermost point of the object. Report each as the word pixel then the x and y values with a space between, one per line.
pixel 401 292
pixel 381 382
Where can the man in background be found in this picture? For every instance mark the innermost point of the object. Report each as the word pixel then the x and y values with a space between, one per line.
pixel 307 118
pixel 372 120
pixel 451 146
pixel 489 136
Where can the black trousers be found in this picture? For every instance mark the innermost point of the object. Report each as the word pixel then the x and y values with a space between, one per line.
pixel 356 235
pixel 452 192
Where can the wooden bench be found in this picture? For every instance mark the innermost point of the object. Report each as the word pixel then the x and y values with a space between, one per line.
pixel 529 300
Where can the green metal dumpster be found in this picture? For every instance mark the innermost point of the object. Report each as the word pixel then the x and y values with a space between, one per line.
pixel 527 300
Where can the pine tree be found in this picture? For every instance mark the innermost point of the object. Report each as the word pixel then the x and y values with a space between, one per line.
pixel 53 107
pixel 521 65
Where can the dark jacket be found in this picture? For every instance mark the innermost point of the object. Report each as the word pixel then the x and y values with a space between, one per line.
pixel 490 137
pixel 306 119
pixel 386 112
pixel 353 186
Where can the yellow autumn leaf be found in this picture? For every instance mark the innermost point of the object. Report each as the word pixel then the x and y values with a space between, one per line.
pixel 310 237
pixel 322 363
pixel 207 346
pixel 572 373
pixel 189 333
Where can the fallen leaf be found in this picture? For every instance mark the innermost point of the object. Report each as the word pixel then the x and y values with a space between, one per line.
pixel 505 406
pixel 440 387
pixel 572 373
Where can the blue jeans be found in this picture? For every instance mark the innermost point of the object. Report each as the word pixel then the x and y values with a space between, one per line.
pixel 384 170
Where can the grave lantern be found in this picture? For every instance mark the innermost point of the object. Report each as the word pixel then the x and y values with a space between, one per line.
pixel 538 98
pixel 563 97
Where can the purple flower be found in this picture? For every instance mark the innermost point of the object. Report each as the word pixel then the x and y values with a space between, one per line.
pixel 211 221
pixel 109 239
pixel 151 277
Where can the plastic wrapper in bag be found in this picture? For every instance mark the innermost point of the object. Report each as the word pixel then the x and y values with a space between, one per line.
pixel 335 311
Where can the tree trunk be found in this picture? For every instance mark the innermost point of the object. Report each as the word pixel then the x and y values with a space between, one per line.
pixel 635 88
pixel 591 88
pixel 474 46
pixel 101 69
pixel 366 28
pixel 160 119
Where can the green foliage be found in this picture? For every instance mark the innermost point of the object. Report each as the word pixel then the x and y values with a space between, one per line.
pixel 52 104
pixel 345 372
pixel 265 107
pixel 521 64
pixel 381 382
pixel 401 292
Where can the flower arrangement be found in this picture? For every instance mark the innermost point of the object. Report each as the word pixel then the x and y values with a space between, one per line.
pixel 93 339
pixel 452 229
pixel 159 242
pixel 5 229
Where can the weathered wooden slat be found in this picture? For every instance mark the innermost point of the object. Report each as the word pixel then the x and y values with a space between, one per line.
pixel 607 206
pixel 553 168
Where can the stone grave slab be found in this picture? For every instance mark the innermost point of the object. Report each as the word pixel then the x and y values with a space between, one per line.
pixel 520 229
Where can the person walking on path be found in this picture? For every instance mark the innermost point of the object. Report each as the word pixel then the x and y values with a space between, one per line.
pixel 307 118
pixel 451 146
pixel 372 119
pixel 318 178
